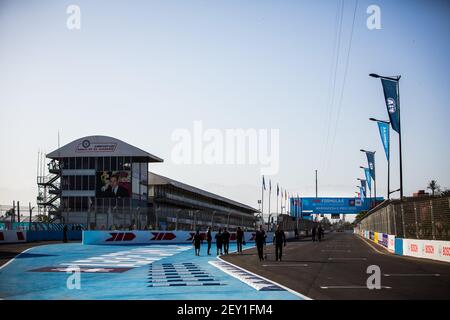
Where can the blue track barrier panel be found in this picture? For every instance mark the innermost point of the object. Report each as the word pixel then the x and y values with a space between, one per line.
pixel 399 246
pixel 153 272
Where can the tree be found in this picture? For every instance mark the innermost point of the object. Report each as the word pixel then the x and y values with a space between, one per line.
pixel 433 186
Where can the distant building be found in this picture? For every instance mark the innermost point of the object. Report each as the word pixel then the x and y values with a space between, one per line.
pixel 420 193
pixel 103 183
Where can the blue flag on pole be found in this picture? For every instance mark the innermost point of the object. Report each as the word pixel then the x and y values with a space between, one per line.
pixel 384 134
pixel 361 194
pixel 368 178
pixel 363 187
pixel 371 162
pixel 390 88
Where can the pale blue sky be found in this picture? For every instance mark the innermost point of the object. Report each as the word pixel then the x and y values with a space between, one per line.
pixel 137 70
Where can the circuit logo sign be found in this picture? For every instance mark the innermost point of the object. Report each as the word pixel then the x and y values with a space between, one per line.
pixel 121 236
pixel 163 236
pixel 87 146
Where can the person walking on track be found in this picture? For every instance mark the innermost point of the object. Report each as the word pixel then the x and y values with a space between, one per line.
pixel 319 233
pixel 239 239
pixel 279 239
pixel 260 239
pixel 209 240
pixel 226 240
pixel 219 240
pixel 197 240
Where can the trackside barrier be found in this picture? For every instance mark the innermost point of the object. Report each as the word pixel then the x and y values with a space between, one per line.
pixel 12 236
pixel 426 249
pixel 157 237
pixel 49 235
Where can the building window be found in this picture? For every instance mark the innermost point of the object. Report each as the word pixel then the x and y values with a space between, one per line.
pixel 85 163
pixel 85 183
pixel 71 163
pixel 120 163
pixel 78 183
pixel 113 163
pixel 100 166
pixel 91 182
pixel 92 163
pixel 78 163
pixel 107 163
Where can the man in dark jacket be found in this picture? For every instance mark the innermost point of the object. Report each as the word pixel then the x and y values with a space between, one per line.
pixel 197 240
pixel 219 241
pixel 313 233
pixel 239 239
pixel 260 239
pixel 226 240
pixel 279 239
pixel 319 232
pixel 209 239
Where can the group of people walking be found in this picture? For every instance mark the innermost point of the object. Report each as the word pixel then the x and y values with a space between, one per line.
pixel 222 241
pixel 317 233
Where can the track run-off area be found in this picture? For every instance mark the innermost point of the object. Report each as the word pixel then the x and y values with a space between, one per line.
pixel 168 272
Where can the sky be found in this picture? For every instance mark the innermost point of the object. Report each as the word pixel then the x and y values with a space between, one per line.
pixel 140 70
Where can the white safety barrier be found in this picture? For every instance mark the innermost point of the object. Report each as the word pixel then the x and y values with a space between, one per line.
pixel 428 249
pixel 12 236
pixel 155 237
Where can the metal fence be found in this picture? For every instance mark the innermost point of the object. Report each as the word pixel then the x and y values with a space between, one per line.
pixel 415 218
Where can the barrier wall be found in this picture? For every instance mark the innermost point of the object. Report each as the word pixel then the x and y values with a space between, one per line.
pixel 50 235
pixel 426 249
pixel 157 237
pixel 11 236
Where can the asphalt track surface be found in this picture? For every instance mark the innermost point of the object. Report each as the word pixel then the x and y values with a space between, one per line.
pixel 336 268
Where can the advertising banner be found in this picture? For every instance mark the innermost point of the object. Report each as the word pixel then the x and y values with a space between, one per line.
pixel 391 243
pixel 157 237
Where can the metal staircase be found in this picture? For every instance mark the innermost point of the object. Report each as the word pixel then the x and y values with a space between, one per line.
pixel 49 191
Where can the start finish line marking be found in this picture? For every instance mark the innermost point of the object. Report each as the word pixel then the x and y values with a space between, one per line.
pixel 412 275
pixel 285 265
pixel 351 287
pixel 349 259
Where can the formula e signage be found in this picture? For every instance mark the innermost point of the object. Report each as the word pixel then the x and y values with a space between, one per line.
pixel 334 205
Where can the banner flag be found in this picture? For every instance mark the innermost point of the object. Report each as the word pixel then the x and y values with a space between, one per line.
pixel 390 88
pixel 264 184
pixel 363 187
pixel 384 134
pixel 361 193
pixel 368 178
pixel 371 162
pixel 278 190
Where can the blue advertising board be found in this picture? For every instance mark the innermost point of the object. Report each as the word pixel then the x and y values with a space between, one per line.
pixel 308 206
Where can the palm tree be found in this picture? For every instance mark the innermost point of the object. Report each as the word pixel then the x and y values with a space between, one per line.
pixel 433 186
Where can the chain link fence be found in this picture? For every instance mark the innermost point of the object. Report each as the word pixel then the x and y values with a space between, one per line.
pixel 425 218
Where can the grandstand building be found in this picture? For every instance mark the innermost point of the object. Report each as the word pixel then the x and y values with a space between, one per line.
pixel 104 183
